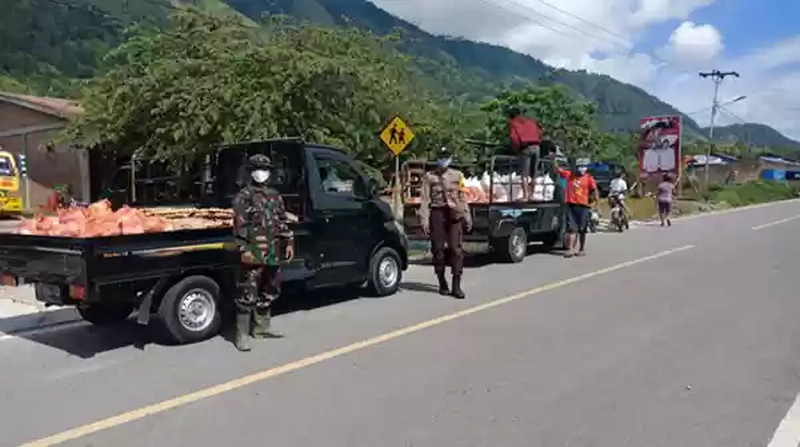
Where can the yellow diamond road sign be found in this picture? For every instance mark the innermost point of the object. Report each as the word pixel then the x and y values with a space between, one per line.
pixel 397 135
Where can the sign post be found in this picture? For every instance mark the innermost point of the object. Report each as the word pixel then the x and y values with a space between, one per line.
pixel 23 171
pixel 397 136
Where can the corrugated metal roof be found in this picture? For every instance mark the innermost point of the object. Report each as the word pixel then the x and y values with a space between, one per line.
pixel 62 108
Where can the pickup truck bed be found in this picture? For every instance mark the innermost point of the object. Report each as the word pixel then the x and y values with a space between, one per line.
pixel 505 227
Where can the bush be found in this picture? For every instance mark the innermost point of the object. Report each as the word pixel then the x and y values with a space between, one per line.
pixel 755 192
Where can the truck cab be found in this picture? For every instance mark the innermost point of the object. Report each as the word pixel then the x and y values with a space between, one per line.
pixel 340 222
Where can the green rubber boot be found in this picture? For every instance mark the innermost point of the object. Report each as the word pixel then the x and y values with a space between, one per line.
pixel 260 328
pixel 242 337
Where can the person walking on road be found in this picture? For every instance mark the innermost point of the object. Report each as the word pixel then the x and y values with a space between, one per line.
pixel 580 185
pixel 445 216
pixel 261 228
pixel 664 196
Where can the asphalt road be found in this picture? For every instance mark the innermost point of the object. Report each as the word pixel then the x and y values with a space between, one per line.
pixel 686 336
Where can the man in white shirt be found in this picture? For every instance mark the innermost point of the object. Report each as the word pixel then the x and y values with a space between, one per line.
pixel 618 187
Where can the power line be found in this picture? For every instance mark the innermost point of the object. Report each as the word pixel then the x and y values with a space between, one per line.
pixel 598 26
pixel 568 25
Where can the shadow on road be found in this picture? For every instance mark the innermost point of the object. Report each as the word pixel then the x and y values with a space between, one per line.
pixel 85 340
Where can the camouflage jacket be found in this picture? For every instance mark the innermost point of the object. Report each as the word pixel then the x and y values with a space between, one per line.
pixel 259 223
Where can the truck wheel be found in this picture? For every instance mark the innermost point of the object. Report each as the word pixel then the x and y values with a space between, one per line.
pixel 515 246
pixel 104 314
pixel 385 272
pixel 190 310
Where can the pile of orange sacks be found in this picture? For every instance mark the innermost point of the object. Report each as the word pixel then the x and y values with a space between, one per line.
pixel 97 220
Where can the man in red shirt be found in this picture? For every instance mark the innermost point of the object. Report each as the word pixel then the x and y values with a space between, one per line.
pixel 580 185
pixel 526 135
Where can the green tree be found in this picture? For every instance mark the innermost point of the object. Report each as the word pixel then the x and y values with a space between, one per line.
pixel 175 95
pixel 564 119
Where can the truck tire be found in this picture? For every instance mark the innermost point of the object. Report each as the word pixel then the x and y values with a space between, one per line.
pixel 514 247
pixel 190 310
pixel 385 272
pixel 105 314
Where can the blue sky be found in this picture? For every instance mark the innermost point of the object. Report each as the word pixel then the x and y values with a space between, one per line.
pixel 658 45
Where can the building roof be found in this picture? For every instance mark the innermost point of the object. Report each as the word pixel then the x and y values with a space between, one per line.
pixel 61 108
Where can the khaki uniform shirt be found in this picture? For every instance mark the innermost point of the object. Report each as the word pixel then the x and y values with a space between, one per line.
pixel 444 191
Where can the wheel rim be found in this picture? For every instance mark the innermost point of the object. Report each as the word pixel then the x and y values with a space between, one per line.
pixel 388 272
pixel 517 245
pixel 196 310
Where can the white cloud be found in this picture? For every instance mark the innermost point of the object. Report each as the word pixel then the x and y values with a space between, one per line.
pixel 655 11
pixel 607 44
pixel 692 45
pixel 638 68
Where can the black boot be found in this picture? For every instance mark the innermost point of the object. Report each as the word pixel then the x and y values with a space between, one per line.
pixel 444 289
pixel 457 292
pixel 241 337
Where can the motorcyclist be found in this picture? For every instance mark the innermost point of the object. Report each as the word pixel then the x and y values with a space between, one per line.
pixel 617 191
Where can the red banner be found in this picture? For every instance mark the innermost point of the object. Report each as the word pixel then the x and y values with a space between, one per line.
pixel 660 146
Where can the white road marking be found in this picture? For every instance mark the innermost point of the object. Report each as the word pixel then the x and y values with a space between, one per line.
pixel 777 222
pixel 205 393
pixel 788 432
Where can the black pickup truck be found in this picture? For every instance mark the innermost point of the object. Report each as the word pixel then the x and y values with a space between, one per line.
pixel 504 228
pixel 344 235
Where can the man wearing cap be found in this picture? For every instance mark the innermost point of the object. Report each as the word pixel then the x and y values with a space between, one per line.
pixel 261 229
pixel 445 216
pixel 580 185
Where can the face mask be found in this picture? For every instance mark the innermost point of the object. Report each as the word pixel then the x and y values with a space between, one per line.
pixel 260 176
pixel 444 163
pixel 582 170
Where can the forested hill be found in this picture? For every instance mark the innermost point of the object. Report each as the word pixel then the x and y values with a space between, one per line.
pixel 620 105
pixel 46 45
pixel 756 134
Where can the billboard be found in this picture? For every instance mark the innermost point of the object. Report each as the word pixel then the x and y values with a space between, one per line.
pixel 660 146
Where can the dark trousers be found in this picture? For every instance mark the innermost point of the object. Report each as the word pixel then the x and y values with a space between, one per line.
pixel 446 231
pixel 259 286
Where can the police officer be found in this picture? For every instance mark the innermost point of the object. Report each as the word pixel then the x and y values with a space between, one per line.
pixel 263 235
pixel 445 215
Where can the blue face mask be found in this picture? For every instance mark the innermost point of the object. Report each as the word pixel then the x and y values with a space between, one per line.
pixel 444 162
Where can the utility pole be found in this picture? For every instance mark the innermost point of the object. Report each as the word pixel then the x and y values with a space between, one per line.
pixel 716 76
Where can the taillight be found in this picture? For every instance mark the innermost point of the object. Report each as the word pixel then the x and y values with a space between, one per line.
pixel 77 292
pixel 9 280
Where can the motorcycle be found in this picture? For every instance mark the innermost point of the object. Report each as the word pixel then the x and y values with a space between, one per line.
pixel 619 218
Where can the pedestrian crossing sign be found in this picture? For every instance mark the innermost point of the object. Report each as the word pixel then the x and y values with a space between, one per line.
pixel 397 135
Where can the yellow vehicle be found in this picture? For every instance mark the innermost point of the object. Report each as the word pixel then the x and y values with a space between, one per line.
pixel 10 198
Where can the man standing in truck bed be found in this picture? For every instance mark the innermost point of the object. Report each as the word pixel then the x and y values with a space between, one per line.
pixel 444 214
pixel 262 232
pixel 526 137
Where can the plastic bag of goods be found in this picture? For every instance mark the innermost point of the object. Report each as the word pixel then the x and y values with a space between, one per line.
pixel 543 189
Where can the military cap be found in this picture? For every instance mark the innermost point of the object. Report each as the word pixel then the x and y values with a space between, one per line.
pixel 259 161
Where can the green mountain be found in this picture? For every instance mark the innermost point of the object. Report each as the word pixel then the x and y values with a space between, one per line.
pixel 620 105
pixel 49 46
pixel 754 134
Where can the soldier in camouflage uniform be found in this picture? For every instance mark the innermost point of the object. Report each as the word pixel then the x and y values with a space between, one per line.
pixel 261 230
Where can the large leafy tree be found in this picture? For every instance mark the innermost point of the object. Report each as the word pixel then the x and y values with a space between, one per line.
pixel 175 95
pixel 566 120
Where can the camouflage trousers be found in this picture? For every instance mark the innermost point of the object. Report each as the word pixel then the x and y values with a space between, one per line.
pixel 258 287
